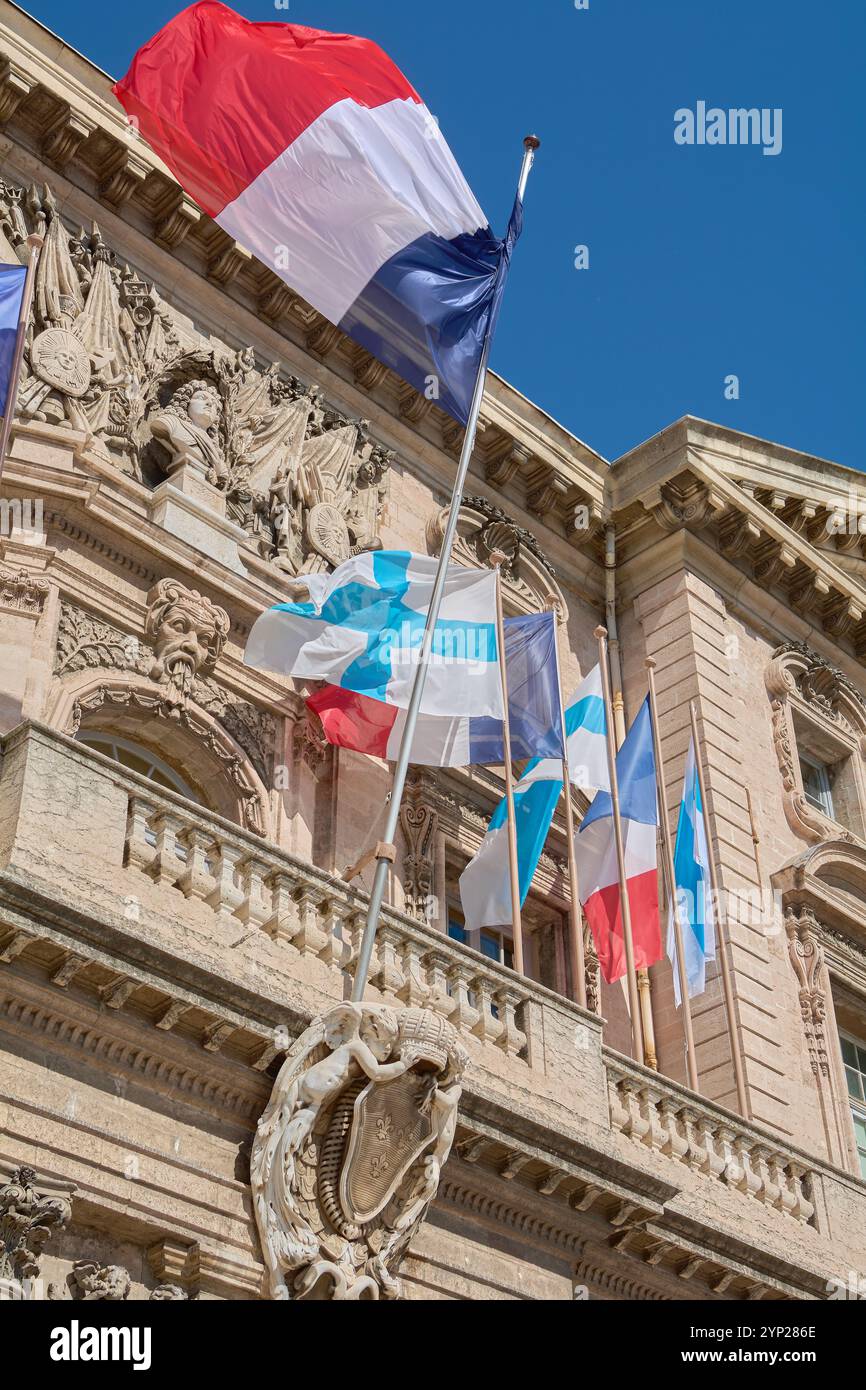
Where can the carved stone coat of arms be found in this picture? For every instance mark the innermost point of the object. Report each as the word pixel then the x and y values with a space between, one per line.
pixel 349 1151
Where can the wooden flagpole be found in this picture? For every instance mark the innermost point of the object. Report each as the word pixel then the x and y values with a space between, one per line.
pixel 625 906
pixel 35 242
pixel 670 874
pixel 575 914
pixel 514 873
pixel 721 927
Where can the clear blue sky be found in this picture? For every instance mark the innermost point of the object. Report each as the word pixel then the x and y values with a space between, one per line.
pixel 704 261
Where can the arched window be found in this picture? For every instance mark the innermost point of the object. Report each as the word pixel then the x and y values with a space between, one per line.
pixel 137 759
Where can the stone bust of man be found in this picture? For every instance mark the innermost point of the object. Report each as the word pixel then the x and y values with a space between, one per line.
pixel 188 428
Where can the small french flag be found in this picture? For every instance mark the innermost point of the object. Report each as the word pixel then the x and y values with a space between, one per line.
pixel 595 849
pixel 314 151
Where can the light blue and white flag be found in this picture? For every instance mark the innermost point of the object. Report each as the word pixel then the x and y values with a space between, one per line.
pixel 586 736
pixel 485 884
pixel 12 279
pixel 363 628
pixel 693 896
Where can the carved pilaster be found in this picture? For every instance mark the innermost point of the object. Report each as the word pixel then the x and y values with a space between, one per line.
pixel 419 822
pixel 807 959
pixel 22 592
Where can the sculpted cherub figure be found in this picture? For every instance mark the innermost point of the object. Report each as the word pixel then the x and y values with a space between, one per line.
pixel 357 1042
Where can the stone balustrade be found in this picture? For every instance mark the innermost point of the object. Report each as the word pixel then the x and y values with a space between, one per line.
pixel 674 1122
pixel 147 850
pixel 310 913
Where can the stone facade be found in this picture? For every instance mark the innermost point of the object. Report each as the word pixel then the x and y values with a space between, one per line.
pixel 174 833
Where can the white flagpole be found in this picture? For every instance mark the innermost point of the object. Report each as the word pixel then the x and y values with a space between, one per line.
pixel 34 241
pixel 362 970
pixel 575 913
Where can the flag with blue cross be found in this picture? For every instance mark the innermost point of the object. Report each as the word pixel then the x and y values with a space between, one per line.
pixel 362 629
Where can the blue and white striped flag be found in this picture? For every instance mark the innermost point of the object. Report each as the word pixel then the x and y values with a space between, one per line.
pixel 363 628
pixel 485 885
pixel 693 898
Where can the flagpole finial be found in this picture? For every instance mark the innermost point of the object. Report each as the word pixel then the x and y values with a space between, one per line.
pixel 532 142
pixel 600 631
pixel 651 663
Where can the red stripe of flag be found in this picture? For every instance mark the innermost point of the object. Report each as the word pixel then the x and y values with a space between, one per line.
pixel 354 721
pixel 604 914
pixel 219 98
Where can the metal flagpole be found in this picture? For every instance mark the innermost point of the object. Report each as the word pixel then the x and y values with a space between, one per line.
pixel 721 926
pixel 513 870
pixel 625 905
pixel 670 873
pixel 530 145
pixel 575 915
pixel 35 242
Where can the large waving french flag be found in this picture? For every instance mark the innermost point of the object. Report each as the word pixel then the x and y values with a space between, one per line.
pixel 315 152
pixel 595 849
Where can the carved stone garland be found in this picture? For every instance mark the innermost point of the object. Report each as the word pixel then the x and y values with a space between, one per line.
pixel 807 959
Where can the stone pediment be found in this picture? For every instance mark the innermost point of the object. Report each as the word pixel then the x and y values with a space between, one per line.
pixel 772 536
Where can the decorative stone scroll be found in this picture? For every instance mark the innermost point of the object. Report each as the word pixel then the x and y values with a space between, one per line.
pixel 484 529
pixel 350 1149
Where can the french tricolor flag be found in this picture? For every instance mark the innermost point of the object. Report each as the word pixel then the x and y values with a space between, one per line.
pixel 597 868
pixel 314 151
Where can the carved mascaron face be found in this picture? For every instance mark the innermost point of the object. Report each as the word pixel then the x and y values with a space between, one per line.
pixel 187 632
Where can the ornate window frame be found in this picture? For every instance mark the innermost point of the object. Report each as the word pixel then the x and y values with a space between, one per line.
pixel 823 894
pixel 806 689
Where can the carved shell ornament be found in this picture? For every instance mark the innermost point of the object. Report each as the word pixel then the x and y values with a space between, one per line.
pixel 349 1151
